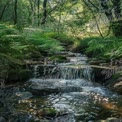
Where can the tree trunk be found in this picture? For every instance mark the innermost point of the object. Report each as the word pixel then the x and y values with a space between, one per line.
pixel 106 9
pixel 3 10
pixel 45 12
pixel 15 12
pixel 38 12
pixel 33 9
pixel 116 25
pixel 117 8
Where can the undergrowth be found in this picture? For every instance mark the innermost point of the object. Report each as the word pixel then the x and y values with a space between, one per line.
pixel 109 48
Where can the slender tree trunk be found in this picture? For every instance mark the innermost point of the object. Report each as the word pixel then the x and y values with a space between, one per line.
pixel 38 12
pixel 33 8
pixel 15 12
pixel 45 12
pixel 116 24
pixel 117 8
pixel 106 9
pixel 3 10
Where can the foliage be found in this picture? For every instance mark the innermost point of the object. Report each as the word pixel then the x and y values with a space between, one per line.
pixel 44 42
pixel 16 47
pixel 8 40
pixel 117 28
pixel 109 48
pixel 61 37
pixel 81 45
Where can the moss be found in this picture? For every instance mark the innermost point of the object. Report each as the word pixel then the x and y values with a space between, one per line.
pixel 58 58
pixel 49 112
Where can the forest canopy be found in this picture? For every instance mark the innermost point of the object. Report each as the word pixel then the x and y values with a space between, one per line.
pixel 64 15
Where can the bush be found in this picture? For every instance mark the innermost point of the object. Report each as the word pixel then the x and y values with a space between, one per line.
pixel 116 28
pixel 105 48
pixel 44 43
pixel 61 37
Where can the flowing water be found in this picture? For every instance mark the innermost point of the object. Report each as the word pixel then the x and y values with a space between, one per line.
pixel 73 92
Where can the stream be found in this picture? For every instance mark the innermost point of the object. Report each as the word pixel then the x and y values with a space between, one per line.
pixel 62 92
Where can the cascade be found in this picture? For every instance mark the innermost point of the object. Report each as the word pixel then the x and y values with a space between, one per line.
pixel 72 70
pixel 70 87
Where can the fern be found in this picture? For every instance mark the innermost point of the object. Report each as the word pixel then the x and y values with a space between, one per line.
pixel 11 59
pixel 44 43
pixel 108 48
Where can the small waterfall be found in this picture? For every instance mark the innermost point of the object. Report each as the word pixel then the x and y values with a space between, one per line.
pixel 76 68
pixel 67 72
pixel 69 88
pixel 36 71
pixel 63 77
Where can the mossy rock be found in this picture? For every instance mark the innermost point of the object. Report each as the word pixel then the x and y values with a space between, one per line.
pixel 50 112
pixel 115 82
pixel 19 75
pixel 58 58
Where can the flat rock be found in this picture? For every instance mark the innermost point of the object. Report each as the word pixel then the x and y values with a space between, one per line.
pixel 24 95
pixel 117 87
pixel 47 86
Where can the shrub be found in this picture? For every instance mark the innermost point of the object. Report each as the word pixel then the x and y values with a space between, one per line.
pixel 43 42
pixel 106 48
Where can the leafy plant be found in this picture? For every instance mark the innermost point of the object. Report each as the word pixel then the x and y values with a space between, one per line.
pixel 44 43
pixel 107 48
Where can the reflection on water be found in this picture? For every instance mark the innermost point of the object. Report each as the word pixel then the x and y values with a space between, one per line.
pixel 73 106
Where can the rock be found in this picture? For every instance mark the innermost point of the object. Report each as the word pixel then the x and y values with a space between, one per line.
pixel 24 95
pixel 2 119
pixel 112 119
pixel 15 76
pixel 101 121
pixel 47 86
pixel 115 83
pixel 118 87
pixel 97 62
pixel 99 75
pixel 50 112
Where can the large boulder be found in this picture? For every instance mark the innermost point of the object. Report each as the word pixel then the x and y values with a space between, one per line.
pixel 115 83
pixel 24 95
pixel 19 75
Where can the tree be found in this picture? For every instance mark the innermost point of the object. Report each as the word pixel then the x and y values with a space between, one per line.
pixel 38 12
pixel 3 9
pixel 112 10
pixel 15 11
pixel 114 15
pixel 45 12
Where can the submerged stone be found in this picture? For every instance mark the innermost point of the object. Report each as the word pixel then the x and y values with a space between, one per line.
pixel 2 119
pixel 48 86
pixel 24 95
